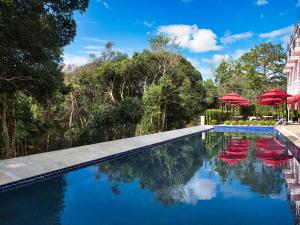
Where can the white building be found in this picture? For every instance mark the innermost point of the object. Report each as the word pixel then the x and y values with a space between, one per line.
pixel 292 68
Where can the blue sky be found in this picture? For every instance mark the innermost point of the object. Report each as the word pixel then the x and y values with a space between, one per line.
pixel 208 31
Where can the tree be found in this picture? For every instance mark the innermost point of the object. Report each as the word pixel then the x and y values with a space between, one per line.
pixel 266 60
pixel 254 72
pixel 32 36
pixel 211 93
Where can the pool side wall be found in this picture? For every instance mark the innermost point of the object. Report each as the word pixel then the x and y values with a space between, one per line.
pixel 21 171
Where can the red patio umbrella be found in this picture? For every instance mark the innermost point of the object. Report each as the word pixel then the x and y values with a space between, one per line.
pixel 275 94
pixel 293 99
pixel 271 101
pixel 233 98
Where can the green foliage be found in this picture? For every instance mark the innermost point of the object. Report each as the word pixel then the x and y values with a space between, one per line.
pixel 33 34
pixel 216 115
pixel 247 111
pixel 112 122
pixel 211 94
pixel 253 73
pixel 227 122
pixel 253 122
pixel 213 122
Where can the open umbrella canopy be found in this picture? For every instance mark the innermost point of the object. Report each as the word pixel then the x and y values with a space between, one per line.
pixel 293 99
pixel 234 99
pixel 274 93
pixel 271 101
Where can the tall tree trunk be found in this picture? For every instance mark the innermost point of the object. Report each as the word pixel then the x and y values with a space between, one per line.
pixel 49 120
pixel 4 123
pixel 13 142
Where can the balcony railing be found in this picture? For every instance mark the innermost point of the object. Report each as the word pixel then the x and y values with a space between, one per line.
pixel 294 40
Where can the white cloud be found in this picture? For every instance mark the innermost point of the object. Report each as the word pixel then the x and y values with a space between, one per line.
pixel 280 34
pixel 218 58
pixel 261 2
pixel 206 72
pixel 93 39
pixel 148 24
pixel 231 38
pixel 192 37
pixel 93 47
pixel 277 33
pixel 104 3
pixel 238 53
pixel 77 60
pixel 194 62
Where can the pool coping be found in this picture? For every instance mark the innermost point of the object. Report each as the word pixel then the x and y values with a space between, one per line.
pixel 21 171
pixel 289 135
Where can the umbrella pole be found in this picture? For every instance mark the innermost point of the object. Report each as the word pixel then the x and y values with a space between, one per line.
pixel 286 111
pixel 222 118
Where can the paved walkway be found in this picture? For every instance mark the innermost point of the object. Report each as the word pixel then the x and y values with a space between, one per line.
pixel 17 169
pixel 292 132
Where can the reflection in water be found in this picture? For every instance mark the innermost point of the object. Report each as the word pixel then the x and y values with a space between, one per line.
pixel 237 175
pixel 198 189
pixel 42 206
pixel 292 177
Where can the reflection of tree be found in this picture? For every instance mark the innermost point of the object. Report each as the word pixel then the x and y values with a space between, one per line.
pixel 41 203
pixel 163 170
pixel 167 170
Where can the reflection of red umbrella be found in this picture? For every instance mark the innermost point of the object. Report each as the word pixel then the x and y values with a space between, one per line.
pixel 269 142
pixel 232 159
pixel 267 155
pixel 240 141
pixel 239 144
pixel 242 153
pixel 278 160
pixel 268 150
pixel 237 148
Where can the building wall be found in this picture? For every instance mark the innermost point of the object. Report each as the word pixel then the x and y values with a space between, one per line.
pixel 292 67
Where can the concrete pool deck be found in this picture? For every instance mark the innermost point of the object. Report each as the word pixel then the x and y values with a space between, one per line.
pixel 291 132
pixel 16 171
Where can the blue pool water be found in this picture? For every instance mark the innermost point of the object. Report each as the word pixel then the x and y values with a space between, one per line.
pixel 209 179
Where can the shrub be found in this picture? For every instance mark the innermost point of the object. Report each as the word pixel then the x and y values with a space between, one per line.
pixel 253 123
pixel 215 114
pixel 247 122
pixel 213 122
pixel 241 122
pixel 234 122
pixel 227 122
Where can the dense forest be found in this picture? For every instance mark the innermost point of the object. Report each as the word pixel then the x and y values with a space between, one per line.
pixel 114 96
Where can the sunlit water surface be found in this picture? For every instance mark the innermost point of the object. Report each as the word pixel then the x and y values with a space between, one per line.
pixel 208 179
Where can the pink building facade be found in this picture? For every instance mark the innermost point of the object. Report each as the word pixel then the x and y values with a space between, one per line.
pixel 292 68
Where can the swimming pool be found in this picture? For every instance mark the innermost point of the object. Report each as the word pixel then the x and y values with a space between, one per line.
pixel 211 178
